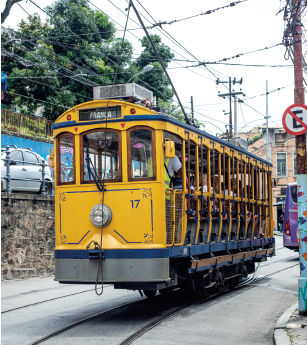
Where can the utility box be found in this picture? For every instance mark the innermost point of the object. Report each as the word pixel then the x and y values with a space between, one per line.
pixel 127 91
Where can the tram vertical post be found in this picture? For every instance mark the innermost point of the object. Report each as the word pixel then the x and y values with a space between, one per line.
pixel 267 123
pixel 301 160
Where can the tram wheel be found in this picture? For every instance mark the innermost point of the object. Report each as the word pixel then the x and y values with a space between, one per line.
pixel 150 293
pixel 206 292
pixel 233 282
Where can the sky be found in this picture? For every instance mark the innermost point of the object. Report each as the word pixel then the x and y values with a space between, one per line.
pixel 246 27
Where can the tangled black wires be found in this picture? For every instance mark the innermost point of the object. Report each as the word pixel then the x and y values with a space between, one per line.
pixel 293 13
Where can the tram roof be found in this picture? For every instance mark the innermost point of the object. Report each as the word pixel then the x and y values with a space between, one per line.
pixel 158 117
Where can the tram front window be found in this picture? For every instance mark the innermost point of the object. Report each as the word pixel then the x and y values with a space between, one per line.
pixel 66 159
pixel 141 154
pixel 101 148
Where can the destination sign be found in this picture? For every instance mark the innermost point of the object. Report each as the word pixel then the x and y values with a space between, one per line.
pixel 100 113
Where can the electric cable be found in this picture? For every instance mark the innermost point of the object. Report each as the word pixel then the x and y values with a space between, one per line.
pixel 201 14
pixel 29 97
pixel 100 267
pixel 48 85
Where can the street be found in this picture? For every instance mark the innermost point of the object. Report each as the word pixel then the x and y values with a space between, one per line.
pixel 37 307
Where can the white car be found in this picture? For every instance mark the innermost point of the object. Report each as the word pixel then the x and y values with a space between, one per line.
pixel 24 170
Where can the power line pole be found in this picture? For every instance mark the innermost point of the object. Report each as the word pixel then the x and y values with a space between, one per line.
pixel 267 122
pixel 230 94
pixel 192 109
pixel 301 158
pixel 235 121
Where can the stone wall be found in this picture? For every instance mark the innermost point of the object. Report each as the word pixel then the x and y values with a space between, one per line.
pixel 27 235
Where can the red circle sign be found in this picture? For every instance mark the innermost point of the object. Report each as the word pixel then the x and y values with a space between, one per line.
pixel 294 119
pixel 102 143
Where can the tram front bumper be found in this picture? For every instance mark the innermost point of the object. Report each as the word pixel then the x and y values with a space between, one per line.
pixel 114 270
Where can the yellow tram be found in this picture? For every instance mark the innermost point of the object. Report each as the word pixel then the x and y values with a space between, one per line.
pixel 205 230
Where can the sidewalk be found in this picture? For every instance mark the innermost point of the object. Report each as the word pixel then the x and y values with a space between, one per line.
pixel 291 328
pixel 277 233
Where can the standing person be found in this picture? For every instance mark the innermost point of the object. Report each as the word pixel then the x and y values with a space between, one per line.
pixel 171 165
pixel 281 222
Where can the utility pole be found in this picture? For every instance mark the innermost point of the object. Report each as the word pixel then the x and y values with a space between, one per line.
pixel 301 158
pixel 267 123
pixel 230 94
pixel 192 109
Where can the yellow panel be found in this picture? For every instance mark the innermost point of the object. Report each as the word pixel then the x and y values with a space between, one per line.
pixel 136 212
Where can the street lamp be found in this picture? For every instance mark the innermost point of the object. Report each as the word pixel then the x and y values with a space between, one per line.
pixel 145 69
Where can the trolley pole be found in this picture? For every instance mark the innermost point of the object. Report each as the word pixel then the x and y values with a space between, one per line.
pixel 301 161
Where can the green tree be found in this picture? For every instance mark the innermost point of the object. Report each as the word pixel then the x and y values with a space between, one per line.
pixel 175 110
pixel 75 40
pixel 155 78
pixel 57 62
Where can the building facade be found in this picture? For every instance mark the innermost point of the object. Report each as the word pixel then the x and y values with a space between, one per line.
pixel 282 154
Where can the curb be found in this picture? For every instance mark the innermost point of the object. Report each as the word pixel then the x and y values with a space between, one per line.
pixel 280 335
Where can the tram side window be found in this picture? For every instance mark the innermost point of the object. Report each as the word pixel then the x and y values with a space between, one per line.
pixel 66 159
pixel 101 155
pixel 141 154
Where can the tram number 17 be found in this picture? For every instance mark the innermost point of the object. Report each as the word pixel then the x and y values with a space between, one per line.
pixel 135 203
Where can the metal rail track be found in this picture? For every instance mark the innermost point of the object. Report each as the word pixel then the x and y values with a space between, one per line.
pixel 68 327
pixel 159 320
pixel 41 302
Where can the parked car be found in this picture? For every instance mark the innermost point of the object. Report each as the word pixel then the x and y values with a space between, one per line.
pixel 23 170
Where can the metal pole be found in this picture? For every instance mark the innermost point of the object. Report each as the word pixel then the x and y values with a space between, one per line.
pixel 192 109
pixel 8 169
pixel 267 121
pixel 158 56
pixel 235 117
pixel 43 177
pixel 301 160
pixel 230 114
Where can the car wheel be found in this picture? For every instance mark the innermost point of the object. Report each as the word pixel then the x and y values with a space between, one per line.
pixel 48 189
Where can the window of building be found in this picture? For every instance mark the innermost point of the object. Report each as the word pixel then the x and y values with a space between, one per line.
pixel 65 161
pixel 281 164
pixel 141 157
pixel 101 156
pixel 294 164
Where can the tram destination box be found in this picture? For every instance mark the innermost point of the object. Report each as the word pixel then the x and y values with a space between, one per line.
pixel 100 113
pixel 126 91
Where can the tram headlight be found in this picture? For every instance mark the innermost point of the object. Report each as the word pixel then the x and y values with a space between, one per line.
pixel 101 215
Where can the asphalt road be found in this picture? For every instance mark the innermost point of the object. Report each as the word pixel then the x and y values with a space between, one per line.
pixel 244 316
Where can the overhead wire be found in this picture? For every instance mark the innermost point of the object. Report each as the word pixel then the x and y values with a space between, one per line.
pixel 47 85
pixel 232 4
pixel 100 268
pixel 29 97
pixel 177 43
pixel 69 31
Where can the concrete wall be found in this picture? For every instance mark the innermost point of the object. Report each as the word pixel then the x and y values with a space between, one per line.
pixel 27 235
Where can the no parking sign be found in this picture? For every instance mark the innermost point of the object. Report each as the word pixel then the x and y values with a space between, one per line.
pixel 294 119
